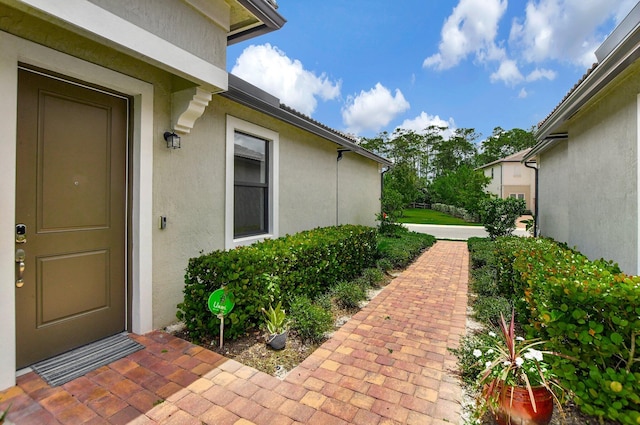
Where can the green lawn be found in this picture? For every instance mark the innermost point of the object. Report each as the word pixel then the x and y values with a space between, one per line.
pixel 422 216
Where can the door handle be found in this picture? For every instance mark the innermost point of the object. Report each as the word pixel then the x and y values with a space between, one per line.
pixel 20 256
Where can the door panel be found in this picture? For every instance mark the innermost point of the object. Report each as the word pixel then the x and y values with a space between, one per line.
pixel 71 195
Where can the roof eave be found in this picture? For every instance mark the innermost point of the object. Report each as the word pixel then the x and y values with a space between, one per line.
pixel 627 52
pixel 246 94
pixel 266 13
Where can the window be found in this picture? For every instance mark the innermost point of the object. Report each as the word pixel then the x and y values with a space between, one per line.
pixel 251 185
pixel 516 195
pixel 251 199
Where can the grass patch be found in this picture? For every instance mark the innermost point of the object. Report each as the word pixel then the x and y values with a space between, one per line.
pixel 424 216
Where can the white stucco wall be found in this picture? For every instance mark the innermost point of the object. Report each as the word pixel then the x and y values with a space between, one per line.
pixel 588 185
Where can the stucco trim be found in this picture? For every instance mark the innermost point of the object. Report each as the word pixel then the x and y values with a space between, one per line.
pixel 16 50
pixel 84 17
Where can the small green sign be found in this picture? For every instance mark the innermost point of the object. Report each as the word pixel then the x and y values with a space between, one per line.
pixel 221 302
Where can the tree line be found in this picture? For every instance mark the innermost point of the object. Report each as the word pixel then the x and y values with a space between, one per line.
pixel 429 167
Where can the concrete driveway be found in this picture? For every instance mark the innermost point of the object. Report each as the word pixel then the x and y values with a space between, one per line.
pixel 461 233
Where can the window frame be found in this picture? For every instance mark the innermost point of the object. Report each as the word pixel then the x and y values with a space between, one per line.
pixel 234 125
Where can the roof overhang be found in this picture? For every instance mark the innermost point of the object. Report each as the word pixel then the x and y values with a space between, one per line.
pixel 94 22
pixel 543 145
pixel 251 18
pixel 251 96
pixel 617 59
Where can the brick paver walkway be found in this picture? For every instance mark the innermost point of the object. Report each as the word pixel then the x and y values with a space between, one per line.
pixel 389 364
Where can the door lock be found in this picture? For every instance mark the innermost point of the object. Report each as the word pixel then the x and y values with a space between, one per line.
pixel 21 233
pixel 20 256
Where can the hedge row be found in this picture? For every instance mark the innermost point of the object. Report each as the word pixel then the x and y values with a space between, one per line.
pixel 585 309
pixel 458 212
pixel 306 263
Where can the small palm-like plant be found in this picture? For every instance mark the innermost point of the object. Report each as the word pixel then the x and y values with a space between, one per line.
pixel 3 414
pixel 275 319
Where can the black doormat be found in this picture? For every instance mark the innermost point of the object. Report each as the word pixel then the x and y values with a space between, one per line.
pixel 75 363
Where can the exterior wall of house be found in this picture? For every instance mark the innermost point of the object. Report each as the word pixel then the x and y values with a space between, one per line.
pixel 512 177
pixel 603 198
pixel 553 198
pixel 310 178
pixel 187 185
pixel 596 206
pixel 495 174
pixel 359 183
pixel 178 23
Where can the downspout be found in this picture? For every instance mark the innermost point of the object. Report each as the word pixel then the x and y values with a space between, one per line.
pixel 535 207
pixel 340 154
pixel 382 187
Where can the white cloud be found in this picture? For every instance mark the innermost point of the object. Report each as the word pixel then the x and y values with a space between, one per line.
pixel 471 28
pixel 564 30
pixel 523 93
pixel 540 73
pixel 424 120
pixel 373 109
pixel 508 72
pixel 270 69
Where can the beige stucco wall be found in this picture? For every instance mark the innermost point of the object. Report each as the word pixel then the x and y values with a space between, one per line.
pixel 186 185
pixel 512 177
pixel 189 188
pixel 179 23
pixel 588 185
pixel 359 194
pixel 495 185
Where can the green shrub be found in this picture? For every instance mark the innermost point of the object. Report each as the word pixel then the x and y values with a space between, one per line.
pixel 499 215
pixel 481 252
pixel 402 250
pixel 307 263
pixel 484 282
pixel 488 309
pixel 469 364
pixel 362 283
pixel 384 264
pixel 309 320
pixel 587 310
pixel 373 276
pixel 324 301
pixel 349 294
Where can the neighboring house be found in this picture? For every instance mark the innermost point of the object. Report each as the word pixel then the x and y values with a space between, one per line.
pixel 511 178
pixel 99 217
pixel 588 156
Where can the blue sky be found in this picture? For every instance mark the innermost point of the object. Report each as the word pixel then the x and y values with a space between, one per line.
pixel 366 66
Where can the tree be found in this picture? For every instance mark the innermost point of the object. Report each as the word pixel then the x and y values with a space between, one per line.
pixel 451 154
pixel 503 143
pixel 464 188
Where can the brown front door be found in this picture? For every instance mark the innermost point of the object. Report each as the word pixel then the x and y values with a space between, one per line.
pixel 71 185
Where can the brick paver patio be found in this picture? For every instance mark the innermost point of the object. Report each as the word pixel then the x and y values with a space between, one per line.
pixel 389 364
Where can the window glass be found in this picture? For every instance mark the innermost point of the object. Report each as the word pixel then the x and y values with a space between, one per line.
pixel 251 189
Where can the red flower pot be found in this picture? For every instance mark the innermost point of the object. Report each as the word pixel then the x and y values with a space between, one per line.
pixel 515 407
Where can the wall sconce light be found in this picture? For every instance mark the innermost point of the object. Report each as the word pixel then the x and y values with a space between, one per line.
pixel 172 139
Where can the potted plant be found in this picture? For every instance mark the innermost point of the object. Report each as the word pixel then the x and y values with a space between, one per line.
pixel 516 384
pixel 276 322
